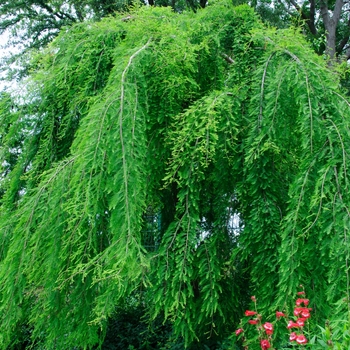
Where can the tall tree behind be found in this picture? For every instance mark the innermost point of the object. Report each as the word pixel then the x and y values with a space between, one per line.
pixel 33 24
pixel 327 23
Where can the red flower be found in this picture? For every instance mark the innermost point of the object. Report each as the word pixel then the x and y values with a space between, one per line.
pixel 239 331
pixel 268 328
pixel 265 344
pixel 298 310
pixel 305 313
pixel 298 302
pixel 302 301
pixel 280 314
pixel 301 293
pixel 300 322
pixel 253 298
pixel 292 324
pixel 253 321
pixel 300 339
pixel 250 313
pixel 293 336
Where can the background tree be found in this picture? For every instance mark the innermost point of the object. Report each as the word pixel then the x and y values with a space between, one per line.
pixel 325 22
pixel 187 160
pixel 33 24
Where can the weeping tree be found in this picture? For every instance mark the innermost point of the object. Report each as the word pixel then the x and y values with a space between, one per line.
pixel 198 157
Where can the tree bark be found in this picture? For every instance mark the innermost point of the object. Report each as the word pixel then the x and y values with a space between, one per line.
pixel 330 24
pixel 310 20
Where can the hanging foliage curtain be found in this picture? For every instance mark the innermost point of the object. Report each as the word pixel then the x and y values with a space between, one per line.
pixel 203 119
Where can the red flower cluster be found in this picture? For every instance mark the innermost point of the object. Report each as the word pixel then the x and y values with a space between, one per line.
pixel 302 313
pixel 299 338
pixel 296 324
pixel 302 301
pixel 267 326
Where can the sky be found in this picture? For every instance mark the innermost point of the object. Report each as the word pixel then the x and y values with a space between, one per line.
pixel 3 53
pixel 3 40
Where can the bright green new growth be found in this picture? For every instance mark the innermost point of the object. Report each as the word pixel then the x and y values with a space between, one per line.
pixel 195 118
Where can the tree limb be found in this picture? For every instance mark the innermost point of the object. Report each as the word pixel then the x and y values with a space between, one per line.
pixel 324 13
pixel 337 10
pixel 345 40
pixel 61 15
pixel 227 58
pixel 310 20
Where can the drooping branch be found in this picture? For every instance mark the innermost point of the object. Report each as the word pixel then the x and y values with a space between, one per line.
pixel 124 160
pixel 227 58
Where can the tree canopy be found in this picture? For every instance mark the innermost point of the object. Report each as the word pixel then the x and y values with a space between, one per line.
pixel 326 23
pixel 190 160
pixel 33 24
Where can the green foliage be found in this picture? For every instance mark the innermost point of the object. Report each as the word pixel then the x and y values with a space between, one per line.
pixel 233 137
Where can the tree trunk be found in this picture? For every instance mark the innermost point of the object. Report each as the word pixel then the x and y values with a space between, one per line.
pixel 330 25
